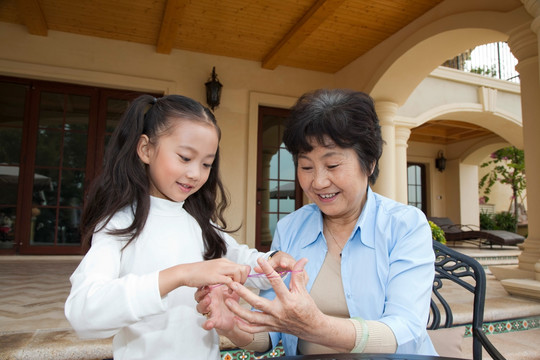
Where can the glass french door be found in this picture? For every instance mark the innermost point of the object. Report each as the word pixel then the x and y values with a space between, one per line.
pixel 57 134
pixel 278 193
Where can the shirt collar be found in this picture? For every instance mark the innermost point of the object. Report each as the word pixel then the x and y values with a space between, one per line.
pixel 165 207
pixel 367 215
pixel 314 233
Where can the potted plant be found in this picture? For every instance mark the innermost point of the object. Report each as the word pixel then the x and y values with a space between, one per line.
pixel 437 233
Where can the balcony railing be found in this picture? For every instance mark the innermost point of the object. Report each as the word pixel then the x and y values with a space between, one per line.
pixel 493 60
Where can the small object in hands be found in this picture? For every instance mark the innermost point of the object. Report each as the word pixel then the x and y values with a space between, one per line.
pixel 282 274
pixel 272 254
pixel 207 315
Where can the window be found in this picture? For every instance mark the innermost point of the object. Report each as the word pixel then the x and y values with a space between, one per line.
pixel 416 185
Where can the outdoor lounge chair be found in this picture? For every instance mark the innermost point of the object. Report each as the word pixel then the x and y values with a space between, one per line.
pixel 457 232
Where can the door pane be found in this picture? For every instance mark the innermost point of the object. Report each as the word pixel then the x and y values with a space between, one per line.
pixel 286 165
pixel 115 109
pixel 71 193
pixel 10 145
pixel 68 226
pixel 45 188
pixel 49 145
pixel 276 186
pixel 75 150
pixel 12 110
pixel 44 226
pixel 51 110
pixel 77 113
pixel 60 168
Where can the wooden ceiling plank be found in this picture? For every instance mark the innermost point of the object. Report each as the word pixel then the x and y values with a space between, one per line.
pixel 458 124
pixel 428 139
pixel 32 16
pixel 170 25
pixel 431 131
pixel 315 16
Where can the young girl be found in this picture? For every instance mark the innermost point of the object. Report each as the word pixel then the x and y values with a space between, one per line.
pixel 152 219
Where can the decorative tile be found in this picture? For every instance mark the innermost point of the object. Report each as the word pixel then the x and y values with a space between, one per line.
pixel 239 354
pixel 506 326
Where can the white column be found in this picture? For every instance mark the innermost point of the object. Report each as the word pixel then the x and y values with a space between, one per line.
pixel 386 183
pixel 402 136
pixel 525 45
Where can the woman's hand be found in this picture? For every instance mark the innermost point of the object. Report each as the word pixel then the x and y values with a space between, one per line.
pixel 292 311
pixel 211 303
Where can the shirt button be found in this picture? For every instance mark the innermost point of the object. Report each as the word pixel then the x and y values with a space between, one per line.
pixel 349 295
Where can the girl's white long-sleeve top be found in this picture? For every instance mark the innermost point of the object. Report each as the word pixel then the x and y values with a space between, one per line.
pixel 116 292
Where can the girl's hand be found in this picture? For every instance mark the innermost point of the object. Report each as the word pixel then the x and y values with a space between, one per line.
pixel 199 274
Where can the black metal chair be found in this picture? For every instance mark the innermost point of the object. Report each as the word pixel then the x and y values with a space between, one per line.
pixel 458 268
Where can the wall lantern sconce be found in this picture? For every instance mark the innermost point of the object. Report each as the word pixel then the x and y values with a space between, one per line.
pixel 213 90
pixel 440 162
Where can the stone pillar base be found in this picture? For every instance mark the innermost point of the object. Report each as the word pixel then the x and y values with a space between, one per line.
pixel 517 281
pixel 510 272
pixel 522 287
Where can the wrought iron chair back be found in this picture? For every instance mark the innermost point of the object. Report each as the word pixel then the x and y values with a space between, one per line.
pixel 461 269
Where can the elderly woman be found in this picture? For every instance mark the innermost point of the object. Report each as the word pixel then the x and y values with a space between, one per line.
pixel 367 284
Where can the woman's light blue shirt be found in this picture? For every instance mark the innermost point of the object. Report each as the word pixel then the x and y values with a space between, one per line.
pixel 387 267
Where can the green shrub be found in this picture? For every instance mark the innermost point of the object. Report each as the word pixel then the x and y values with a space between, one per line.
pixel 487 222
pixel 437 233
pixel 505 220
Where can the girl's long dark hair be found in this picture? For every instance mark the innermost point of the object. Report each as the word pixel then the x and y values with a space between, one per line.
pixel 124 182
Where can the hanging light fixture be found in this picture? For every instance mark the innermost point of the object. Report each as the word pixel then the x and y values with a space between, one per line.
pixel 213 90
pixel 440 161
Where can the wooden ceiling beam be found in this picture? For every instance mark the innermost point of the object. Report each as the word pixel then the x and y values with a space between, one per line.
pixel 316 15
pixel 32 16
pixel 170 25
